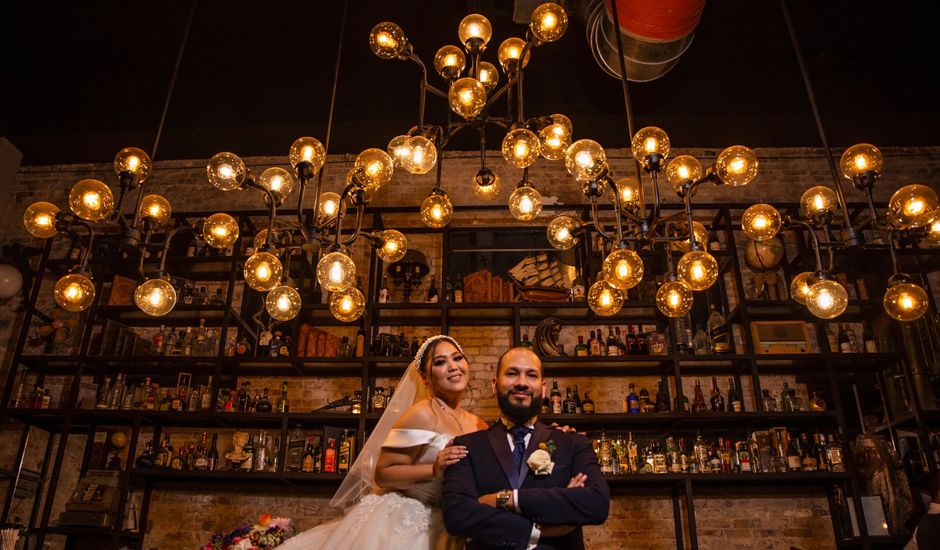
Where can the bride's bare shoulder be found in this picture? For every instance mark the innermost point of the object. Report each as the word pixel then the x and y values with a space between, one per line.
pixel 480 423
pixel 419 417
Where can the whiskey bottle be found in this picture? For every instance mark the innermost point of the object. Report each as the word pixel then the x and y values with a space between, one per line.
pixel 794 456
pixel 104 394
pixel 700 455
pixel 632 454
pixel 568 405
pixel 613 349
pixel 717 400
pixel 433 296
pixel 642 342
pixel 819 449
pixel 249 449
pixel 869 340
pixel 158 341
pixel 587 406
pixel 594 348
pixel 662 399
pixel 605 455
pixel 646 404
pixel 578 288
pixel 698 402
pixel 633 346
pixel 378 400
pixel 264 404
pixel 845 345
pixel 261 453
pixel 786 405
pixel 329 456
pixel 458 289
pixel 735 399
pixel 770 404
pixel 275 346
pixel 718 330
pixel 307 461
pixel 212 458
pixel 601 344
pixel 581 350
pixel 546 406
pixel 283 404
pixel 296 450
pixel 556 398
pixel 809 463
pixel 344 453
pixel 834 454
pixel 201 461
pixel 578 409
pixel 621 347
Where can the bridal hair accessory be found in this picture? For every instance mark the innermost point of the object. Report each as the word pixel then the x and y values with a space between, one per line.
pixel 419 357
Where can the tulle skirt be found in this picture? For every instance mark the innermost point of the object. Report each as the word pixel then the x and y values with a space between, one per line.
pixel 390 521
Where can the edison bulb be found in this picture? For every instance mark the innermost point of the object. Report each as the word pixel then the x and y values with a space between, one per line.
pixel 307 149
pixel 761 222
pixel 489 76
pixel 906 301
pixel 933 233
pixel 817 201
pixel 585 159
pixel 135 161
pixel 263 271
pixel 436 210
pixel 861 158
pixel 604 299
pixel 549 22
pixel 467 97
pixel 155 208
pixel 629 193
pixel 449 62
pixel 155 297
pixel 697 269
pixel 74 292
pixel 525 203
pixel 91 200
pixel 283 303
pixel 521 148
pixel 347 305
pixel 474 31
pixel 649 141
pixel 422 155
pixel 555 138
pixel 509 53
pixel 387 40
pixel 486 184
pixel 336 271
pixel 220 230
pixel 562 232
pixel 827 299
pixel 226 171
pixel 261 239
pixel 623 268
pixel 682 169
pixel 400 150
pixel 391 245
pixel 699 233
pixel 736 165
pixel 374 169
pixel 674 299
pixel 329 207
pixel 914 206
pixel 800 287
pixel 39 219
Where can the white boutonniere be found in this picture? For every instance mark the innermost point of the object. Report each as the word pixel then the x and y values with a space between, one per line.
pixel 540 461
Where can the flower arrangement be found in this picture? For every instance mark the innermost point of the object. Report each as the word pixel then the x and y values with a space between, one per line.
pixel 540 461
pixel 268 533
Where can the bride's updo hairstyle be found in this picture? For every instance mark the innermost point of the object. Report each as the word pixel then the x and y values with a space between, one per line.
pixel 427 350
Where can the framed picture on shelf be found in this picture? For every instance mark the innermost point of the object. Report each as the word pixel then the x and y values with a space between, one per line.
pixel 771 337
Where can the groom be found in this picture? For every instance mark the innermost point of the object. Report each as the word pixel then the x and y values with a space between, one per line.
pixel 523 485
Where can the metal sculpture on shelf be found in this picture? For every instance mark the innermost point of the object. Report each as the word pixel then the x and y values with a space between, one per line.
pixel 546 338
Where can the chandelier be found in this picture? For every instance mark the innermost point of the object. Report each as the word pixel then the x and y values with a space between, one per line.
pixel 472 89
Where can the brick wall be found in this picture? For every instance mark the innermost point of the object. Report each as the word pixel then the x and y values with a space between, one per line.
pixel 182 517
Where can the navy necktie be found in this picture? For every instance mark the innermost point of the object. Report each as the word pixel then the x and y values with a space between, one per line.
pixel 518 443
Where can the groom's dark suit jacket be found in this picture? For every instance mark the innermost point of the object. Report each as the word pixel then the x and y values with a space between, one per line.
pixel 488 468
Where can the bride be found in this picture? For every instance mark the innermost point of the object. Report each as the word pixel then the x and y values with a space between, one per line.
pixel 395 483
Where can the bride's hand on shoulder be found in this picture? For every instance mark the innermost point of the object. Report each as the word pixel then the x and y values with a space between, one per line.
pixel 449 455
pixel 566 429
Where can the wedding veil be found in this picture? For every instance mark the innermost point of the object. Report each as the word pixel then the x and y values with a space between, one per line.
pixel 360 480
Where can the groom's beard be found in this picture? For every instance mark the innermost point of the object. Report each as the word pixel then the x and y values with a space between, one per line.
pixel 517 413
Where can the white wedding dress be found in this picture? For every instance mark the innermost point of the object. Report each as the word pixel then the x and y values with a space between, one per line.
pixel 407 518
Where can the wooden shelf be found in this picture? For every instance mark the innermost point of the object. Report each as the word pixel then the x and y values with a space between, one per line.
pixel 237 477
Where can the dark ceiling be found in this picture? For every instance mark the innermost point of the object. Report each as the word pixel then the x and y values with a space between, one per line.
pixel 80 80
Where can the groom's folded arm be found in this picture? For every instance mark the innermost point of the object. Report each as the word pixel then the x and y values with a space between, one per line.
pixel 464 515
pixel 586 505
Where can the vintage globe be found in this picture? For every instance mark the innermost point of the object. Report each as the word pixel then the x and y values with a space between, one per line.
pixel 764 255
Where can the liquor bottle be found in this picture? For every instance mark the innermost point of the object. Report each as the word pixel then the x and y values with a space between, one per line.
pixel 243 347
pixel 854 344
pixel 662 399
pixel 169 342
pixel 177 401
pixel 415 346
pixel 458 289
pixel 525 343
pixel 673 459
pixel 146 458
pixel 770 404
pixel 659 459
pixel 158 341
pixel 594 345
pixel 261 453
pixel 433 296
pixel 845 345
pixel 700 455
pixel 587 406
pixel 244 398
pixel 116 399
pixel 578 409
pixel 378 400
pixel 632 453
pixel 656 342
pixel 201 461
pixel 735 399
pixel 217 299
pixel 727 457
pixel 212 457
pixel 284 349
pixel 718 330
pixel 717 400
pixel 819 449
pixel 345 457
pixel 186 342
pixel 356 407
pixel 581 350
pixel 698 402
pixel 612 349
pixel 633 347
pixel 329 456
pixel 796 402
pixel 601 344
pixel 200 338
pixel 162 459
pixel 195 398
pixel 448 290
pixel 700 342
pixel 785 404
pixel 831 338
pixel 546 406
pixel 150 400
pixel 104 394
pixel 642 342
pixel 249 449
pixel 646 404
pixel 296 450
pixel 621 347
pixel 633 400
pixel 384 292
pixel 275 346
pixel 743 457
pixel 264 404
pixel 809 463
pixel 578 288
pixel 307 460
pixel 568 405
pixel 682 404
pixel 683 332
pixel 794 456
pixel 714 460
pixel 605 455
pixel 871 346
pixel 556 398
pixel 834 454
pixel 816 403
pixel 404 350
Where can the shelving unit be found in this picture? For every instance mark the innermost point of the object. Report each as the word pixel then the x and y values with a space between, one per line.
pixel 824 368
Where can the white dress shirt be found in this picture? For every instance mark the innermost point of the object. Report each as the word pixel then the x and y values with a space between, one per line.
pixel 536 533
